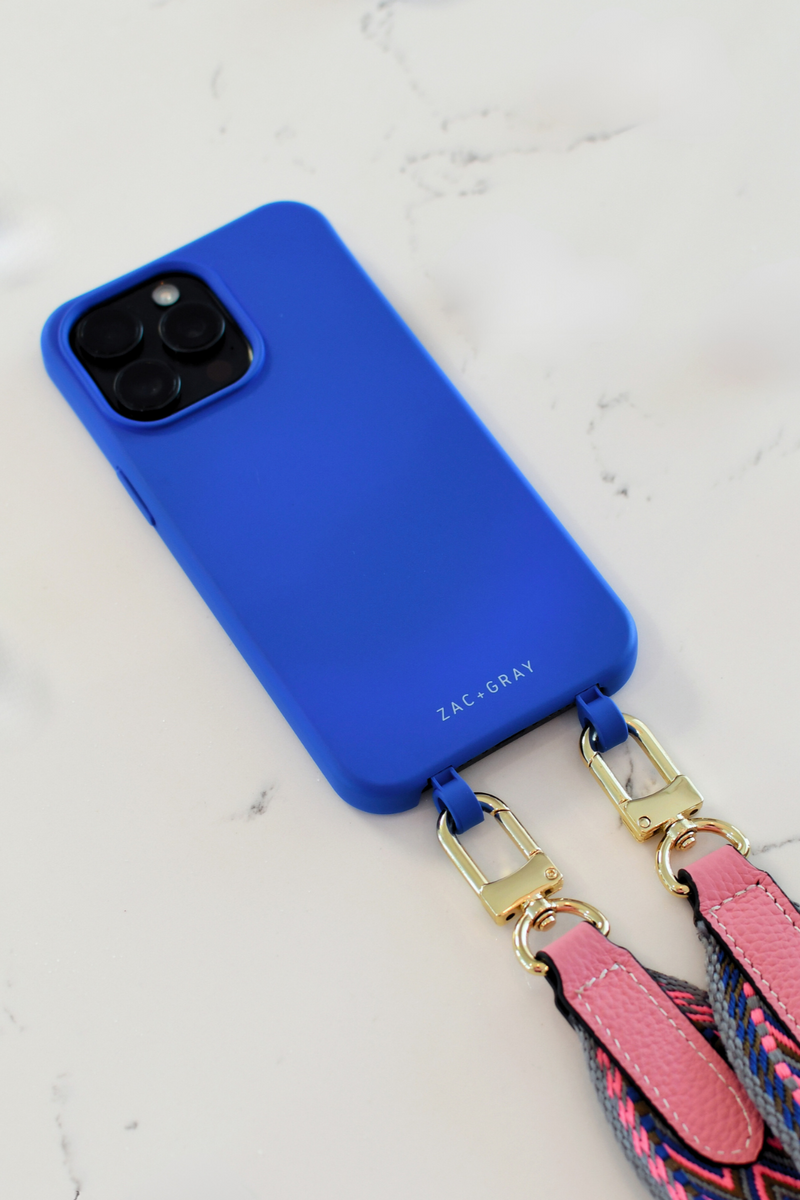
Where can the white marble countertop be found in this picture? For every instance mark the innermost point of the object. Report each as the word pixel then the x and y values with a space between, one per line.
pixel 217 981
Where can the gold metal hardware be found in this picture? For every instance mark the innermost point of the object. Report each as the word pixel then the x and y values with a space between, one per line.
pixel 525 892
pixel 680 835
pixel 541 914
pixel 503 898
pixel 648 815
pixel 669 811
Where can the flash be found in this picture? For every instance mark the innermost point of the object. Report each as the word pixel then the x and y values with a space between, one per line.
pixel 165 294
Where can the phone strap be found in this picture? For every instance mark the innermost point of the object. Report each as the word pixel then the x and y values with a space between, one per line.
pixel 750 932
pixel 749 929
pixel 683 1119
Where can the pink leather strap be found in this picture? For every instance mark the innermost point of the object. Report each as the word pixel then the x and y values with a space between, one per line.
pixel 657 1047
pixel 749 912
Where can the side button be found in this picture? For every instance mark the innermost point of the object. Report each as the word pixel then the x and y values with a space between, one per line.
pixel 135 497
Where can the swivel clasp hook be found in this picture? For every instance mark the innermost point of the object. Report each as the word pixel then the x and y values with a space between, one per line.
pixel 526 893
pixel 671 811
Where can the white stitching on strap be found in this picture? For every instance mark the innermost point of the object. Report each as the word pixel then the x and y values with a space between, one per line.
pixel 791 1020
pixel 617 966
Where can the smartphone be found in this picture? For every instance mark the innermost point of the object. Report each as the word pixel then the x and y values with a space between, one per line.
pixel 399 588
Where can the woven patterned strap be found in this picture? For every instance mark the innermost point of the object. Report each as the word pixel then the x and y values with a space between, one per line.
pixel 749 913
pixel 669 1168
pixel 751 935
pixel 668 1059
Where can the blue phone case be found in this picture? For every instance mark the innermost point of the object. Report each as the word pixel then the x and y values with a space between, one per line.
pixel 397 586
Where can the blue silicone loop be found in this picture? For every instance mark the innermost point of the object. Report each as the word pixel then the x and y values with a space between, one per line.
pixel 452 793
pixel 597 709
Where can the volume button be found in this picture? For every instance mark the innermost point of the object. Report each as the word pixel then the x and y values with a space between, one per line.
pixel 135 497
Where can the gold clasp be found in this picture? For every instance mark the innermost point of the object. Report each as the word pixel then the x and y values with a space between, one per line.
pixel 526 892
pixel 668 811
pixel 540 916
pixel 503 898
pixel 648 815
pixel 680 835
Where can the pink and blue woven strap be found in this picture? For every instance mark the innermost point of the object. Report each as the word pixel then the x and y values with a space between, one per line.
pixel 651 1111
pixel 668 1059
pixel 669 1169
pixel 750 932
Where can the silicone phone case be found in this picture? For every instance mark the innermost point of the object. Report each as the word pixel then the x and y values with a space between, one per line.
pixel 398 587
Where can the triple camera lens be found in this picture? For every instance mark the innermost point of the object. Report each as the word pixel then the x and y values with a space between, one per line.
pixel 147 387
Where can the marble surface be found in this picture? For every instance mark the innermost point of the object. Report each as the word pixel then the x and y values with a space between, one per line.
pixel 217 981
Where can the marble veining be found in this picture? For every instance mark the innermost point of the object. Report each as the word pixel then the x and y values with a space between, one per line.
pixel 259 806
pixel 779 845
pixel 61 1090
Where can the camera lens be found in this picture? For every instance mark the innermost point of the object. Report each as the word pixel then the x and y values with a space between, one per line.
pixel 191 328
pixel 109 333
pixel 147 386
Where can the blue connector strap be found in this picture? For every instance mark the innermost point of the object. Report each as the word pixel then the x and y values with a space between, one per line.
pixel 454 794
pixel 597 709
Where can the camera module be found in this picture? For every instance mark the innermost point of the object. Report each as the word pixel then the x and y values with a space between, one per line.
pixel 160 347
